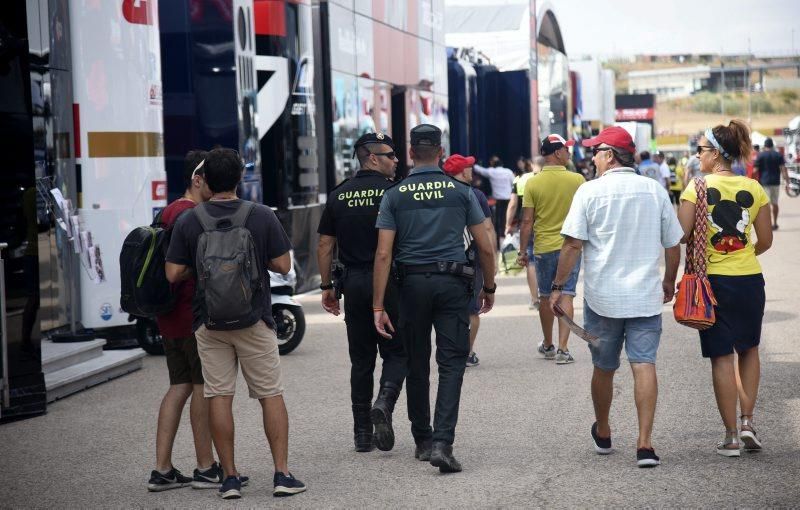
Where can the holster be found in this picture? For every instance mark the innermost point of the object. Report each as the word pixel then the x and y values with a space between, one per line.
pixel 337 278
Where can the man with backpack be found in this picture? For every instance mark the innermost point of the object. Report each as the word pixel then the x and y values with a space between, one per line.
pixel 230 244
pixel 183 363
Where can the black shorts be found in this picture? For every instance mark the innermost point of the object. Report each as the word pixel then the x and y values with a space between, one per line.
pixel 739 312
pixel 675 196
pixel 183 362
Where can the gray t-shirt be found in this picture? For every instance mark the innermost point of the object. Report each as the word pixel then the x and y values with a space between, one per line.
pixel 428 210
pixel 693 168
pixel 269 238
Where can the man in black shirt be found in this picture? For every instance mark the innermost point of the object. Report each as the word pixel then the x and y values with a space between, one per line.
pixel 252 344
pixel 349 222
pixel 771 167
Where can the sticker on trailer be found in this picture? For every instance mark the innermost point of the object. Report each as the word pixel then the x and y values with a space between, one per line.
pixel 106 311
pixel 159 190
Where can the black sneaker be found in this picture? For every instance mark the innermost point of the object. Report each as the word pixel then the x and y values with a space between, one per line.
pixel 602 445
pixel 172 480
pixel 212 478
pixel 472 360
pixel 646 457
pixel 423 450
pixel 286 485
pixel 231 488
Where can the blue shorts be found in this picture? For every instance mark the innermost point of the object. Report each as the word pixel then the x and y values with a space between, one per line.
pixel 546 265
pixel 641 336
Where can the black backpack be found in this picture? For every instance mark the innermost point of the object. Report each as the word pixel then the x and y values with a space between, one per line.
pixel 228 274
pixel 145 290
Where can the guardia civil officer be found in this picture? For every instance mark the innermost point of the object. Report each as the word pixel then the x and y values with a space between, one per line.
pixel 422 221
pixel 349 222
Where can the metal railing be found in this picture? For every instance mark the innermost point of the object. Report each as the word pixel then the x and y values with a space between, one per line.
pixel 5 381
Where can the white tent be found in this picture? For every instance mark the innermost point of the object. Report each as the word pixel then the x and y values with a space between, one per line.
pixel 758 138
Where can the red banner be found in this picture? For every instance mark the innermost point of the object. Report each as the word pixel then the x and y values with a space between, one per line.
pixel 623 114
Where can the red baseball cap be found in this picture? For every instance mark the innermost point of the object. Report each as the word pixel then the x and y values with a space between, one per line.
pixel 457 163
pixel 614 136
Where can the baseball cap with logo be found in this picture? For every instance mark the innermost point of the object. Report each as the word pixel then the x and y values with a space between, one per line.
pixel 426 134
pixel 614 136
pixel 369 138
pixel 457 163
pixel 554 142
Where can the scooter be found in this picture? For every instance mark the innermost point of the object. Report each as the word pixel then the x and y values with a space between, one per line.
pixel 794 180
pixel 290 321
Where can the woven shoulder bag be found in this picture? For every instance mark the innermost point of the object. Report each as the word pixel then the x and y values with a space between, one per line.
pixel 694 302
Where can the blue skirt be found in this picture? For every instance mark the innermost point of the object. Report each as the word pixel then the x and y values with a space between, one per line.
pixel 739 312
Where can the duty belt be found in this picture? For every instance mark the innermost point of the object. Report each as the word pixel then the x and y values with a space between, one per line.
pixel 447 267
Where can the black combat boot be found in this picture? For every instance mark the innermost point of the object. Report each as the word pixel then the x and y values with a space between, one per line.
pixel 442 457
pixel 381 415
pixel 423 450
pixel 362 428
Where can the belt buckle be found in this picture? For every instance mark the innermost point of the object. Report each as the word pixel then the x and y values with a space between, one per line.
pixel 442 267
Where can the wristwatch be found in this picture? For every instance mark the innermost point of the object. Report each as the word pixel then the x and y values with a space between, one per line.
pixel 492 290
pixel 326 286
pixel 557 287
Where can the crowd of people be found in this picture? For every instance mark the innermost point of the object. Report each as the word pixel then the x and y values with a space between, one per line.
pixel 419 256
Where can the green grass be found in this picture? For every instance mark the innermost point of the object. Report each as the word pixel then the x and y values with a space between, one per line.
pixel 781 102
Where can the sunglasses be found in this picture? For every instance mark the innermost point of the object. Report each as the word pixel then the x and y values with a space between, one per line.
pixel 598 150
pixel 389 154
pixel 701 147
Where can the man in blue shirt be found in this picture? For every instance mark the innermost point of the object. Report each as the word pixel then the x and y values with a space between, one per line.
pixel 771 167
pixel 421 221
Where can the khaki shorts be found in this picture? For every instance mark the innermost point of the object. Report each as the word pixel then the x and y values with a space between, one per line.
pixel 773 192
pixel 254 348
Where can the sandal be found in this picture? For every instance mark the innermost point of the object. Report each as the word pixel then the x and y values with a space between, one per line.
pixel 748 435
pixel 730 447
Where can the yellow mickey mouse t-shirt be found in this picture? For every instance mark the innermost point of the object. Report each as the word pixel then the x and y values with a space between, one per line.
pixel 733 203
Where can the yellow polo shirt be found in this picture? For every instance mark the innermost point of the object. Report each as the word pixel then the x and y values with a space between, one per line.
pixel 550 194
pixel 521 181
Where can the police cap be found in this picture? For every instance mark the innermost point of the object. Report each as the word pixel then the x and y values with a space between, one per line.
pixel 426 134
pixel 369 138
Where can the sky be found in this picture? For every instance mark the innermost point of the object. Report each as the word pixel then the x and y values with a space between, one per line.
pixel 628 27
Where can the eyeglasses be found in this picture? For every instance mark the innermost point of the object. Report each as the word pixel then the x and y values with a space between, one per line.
pixel 701 147
pixel 389 154
pixel 598 150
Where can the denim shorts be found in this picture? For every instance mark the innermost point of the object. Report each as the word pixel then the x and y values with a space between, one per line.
pixel 546 265
pixel 641 336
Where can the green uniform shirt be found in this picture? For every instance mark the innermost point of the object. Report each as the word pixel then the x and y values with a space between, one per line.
pixel 428 210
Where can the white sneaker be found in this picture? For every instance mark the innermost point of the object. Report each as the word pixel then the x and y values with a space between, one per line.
pixel 564 357
pixel 549 352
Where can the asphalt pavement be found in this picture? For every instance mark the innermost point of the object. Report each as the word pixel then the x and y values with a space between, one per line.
pixel 523 433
